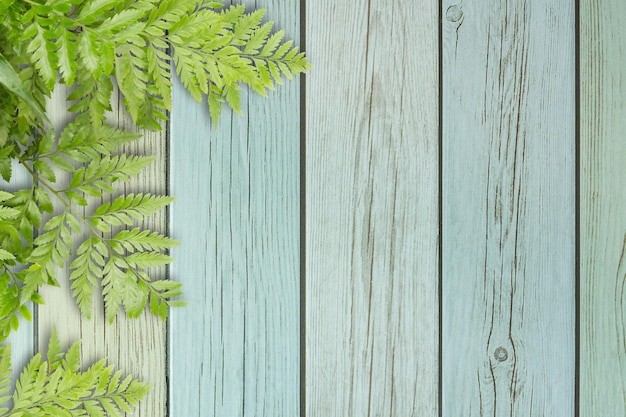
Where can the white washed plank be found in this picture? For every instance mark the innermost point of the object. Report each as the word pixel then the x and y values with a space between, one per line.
pixel 372 209
pixel 136 346
pixel 23 341
pixel 603 198
pixel 508 208
pixel 235 349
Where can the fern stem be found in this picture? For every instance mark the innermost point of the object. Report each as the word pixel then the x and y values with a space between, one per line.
pixel 92 230
pixel 44 183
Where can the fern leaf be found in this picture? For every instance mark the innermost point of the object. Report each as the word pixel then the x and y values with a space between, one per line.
pixel 186 63
pixel 271 44
pixel 160 291
pixel 82 144
pixel 57 387
pixel 51 248
pixel 12 82
pixel 231 93
pixel 43 55
pixel 244 27
pixel 258 39
pixel 215 100
pixel 159 68
pixel 147 259
pixel 114 283
pixel 135 297
pixel 67 53
pixel 93 96
pixel 130 71
pixel 88 49
pixel 5 377
pixel 55 355
pixel 121 20
pixel 86 271
pixel 141 240
pixel 92 9
pixel 125 209
pixel 6 256
pixel 6 168
pixel 7 212
pixel 97 177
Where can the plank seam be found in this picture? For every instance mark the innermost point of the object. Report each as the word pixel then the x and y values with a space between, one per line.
pixel 168 221
pixel 440 212
pixel 303 217
pixel 577 183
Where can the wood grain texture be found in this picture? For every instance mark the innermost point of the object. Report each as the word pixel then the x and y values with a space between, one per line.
pixel 508 208
pixel 235 349
pixel 372 209
pixel 136 346
pixel 602 201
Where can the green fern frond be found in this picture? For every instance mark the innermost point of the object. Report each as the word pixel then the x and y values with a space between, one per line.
pixel 57 386
pixel 43 53
pixel 97 177
pixel 124 209
pixel 131 74
pixel 5 377
pixel 50 249
pixel 67 51
pixel 81 143
pixel 86 272
pixel 141 240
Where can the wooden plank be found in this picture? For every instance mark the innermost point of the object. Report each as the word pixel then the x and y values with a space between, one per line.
pixel 372 209
pixel 235 348
pixel 602 201
pixel 23 341
pixel 508 208
pixel 136 346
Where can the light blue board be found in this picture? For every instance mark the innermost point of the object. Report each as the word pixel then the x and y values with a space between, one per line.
pixel 508 237
pixel 372 205
pixel 235 350
pixel 602 214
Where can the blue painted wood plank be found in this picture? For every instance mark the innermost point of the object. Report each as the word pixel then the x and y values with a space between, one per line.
pixel 602 201
pixel 508 208
pixel 372 209
pixel 234 350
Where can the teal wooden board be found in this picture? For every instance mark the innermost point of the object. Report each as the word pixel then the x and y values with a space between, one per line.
pixel 235 349
pixel 508 237
pixel 602 202
pixel 372 209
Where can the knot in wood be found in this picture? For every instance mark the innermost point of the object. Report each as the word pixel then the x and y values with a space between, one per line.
pixel 501 354
pixel 454 13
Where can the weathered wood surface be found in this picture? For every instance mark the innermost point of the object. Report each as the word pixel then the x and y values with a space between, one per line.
pixel 372 225
pixel 508 208
pixel 136 346
pixel 235 349
pixel 602 202
pixel 372 209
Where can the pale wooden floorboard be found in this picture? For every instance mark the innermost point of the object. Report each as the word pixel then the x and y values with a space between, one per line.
pixel 602 202
pixel 372 209
pixel 136 346
pixel 508 208
pixel 23 341
pixel 235 349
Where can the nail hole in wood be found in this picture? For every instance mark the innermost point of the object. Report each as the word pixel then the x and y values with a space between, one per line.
pixel 454 13
pixel 501 354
